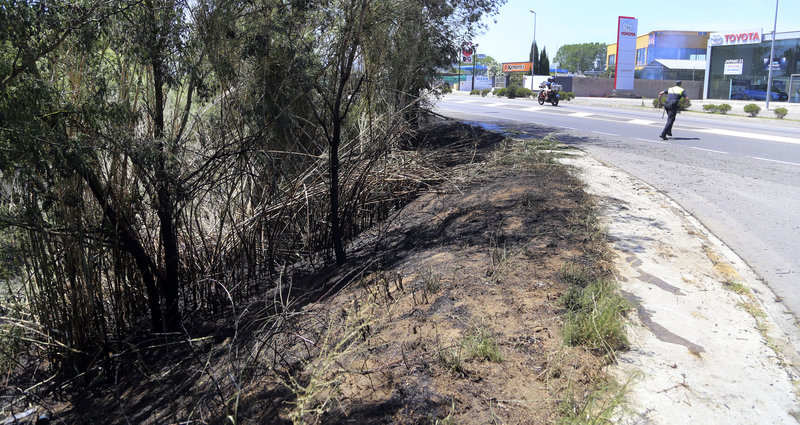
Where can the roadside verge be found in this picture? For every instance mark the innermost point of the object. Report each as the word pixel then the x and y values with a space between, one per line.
pixel 709 342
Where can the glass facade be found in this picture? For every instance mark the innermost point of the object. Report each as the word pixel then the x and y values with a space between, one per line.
pixel 741 71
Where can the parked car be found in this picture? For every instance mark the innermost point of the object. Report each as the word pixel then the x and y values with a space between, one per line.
pixel 759 92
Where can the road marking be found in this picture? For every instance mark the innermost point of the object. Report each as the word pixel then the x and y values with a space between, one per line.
pixel 641 122
pixel 652 141
pixel 495 105
pixel 465 101
pixel 775 160
pixel 533 109
pixel 708 150
pixel 580 114
pixel 758 136
pixel 607 134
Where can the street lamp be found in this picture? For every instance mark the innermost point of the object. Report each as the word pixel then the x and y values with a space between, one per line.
pixel 474 64
pixel 533 53
pixel 771 53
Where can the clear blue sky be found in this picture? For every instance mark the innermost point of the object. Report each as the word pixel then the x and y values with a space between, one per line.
pixel 586 21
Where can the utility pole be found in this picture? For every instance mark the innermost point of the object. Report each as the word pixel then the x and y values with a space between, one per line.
pixel 771 54
pixel 533 58
pixel 474 64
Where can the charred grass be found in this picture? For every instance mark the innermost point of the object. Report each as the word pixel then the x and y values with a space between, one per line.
pixel 478 302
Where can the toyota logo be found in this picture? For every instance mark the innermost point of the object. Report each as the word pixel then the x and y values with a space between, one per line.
pixel 627 27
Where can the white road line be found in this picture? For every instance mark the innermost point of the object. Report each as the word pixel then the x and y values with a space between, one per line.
pixel 775 160
pixel 708 150
pixel 652 141
pixel 495 105
pixel 533 109
pixel 464 101
pixel 758 136
pixel 580 114
pixel 641 122
pixel 607 134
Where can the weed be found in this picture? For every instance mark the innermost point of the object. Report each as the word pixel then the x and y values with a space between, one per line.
pixel 753 309
pixel 595 318
pixel 736 287
pixel 432 282
pixel 452 359
pixel 575 274
pixel 449 419
pixel 597 408
pixel 480 343
pixel 317 391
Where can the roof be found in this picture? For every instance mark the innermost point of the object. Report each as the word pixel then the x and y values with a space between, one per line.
pixel 681 63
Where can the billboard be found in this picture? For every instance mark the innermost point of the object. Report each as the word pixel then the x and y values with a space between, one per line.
pixel 734 37
pixel 626 53
pixel 517 67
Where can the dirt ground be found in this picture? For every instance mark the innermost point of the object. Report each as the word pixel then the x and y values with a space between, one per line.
pixel 448 313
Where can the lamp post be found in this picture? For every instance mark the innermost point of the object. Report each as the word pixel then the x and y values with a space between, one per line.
pixel 533 59
pixel 771 53
pixel 474 64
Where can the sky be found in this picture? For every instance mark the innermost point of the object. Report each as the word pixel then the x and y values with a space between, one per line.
pixel 510 33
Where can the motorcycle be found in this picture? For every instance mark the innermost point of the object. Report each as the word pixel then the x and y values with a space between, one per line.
pixel 551 96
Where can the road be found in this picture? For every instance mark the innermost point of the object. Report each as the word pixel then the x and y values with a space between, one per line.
pixel 739 176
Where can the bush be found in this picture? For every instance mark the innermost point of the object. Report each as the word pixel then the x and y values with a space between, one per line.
pixel 484 92
pixel 500 92
pixel 780 112
pixel 711 108
pixel 683 105
pixel 567 95
pixel 474 92
pixel 724 108
pixel 752 109
pixel 523 92
pixel 446 88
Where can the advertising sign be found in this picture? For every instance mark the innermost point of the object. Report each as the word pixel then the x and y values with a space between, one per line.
pixel 730 38
pixel 733 67
pixel 517 67
pixel 626 52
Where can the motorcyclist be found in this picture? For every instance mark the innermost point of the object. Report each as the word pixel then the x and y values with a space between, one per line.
pixel 548 85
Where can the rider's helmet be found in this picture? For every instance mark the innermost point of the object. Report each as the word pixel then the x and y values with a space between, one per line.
pixel 551 79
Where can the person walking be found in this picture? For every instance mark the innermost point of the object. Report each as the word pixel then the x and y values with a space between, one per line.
pixel 674 95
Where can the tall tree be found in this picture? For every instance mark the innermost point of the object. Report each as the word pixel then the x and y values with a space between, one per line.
pixel 544 62
pixel 533 57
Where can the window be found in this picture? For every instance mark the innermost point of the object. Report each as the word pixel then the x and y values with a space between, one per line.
pixel 641 56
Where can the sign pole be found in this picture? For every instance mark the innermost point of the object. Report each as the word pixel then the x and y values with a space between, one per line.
pixel 771 53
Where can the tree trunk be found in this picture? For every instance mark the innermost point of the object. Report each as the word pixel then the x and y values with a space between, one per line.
pixel 336 228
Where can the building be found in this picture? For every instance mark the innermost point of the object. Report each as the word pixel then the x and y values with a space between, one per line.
pixel 682 48
pixel 738 66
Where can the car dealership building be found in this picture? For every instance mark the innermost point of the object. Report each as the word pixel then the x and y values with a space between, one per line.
pixel 737 65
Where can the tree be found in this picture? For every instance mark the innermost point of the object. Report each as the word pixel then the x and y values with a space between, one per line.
pixel 544 62
pixel 493 68
pixel 582 57
pixel 533 57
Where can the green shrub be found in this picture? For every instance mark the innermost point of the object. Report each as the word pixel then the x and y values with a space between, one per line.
pixel 711 108
pixel 474 92
pixel 780 112
pixel 752 109
pixel 484 92
pixel 501 92
pixel 523 92
pixel 567 95
pixel 657 103
pixel 446 88
pixel 511 91
pixel 724 108
pixel 684 104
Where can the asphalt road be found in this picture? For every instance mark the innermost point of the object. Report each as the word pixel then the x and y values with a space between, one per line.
pixel 739 176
